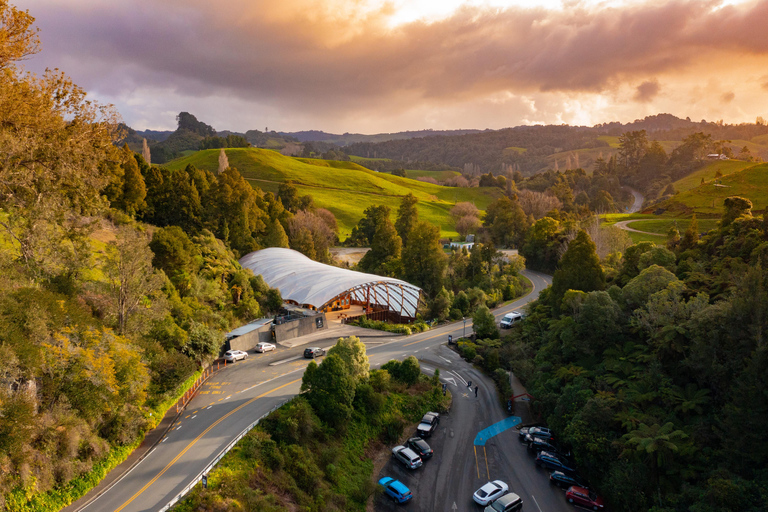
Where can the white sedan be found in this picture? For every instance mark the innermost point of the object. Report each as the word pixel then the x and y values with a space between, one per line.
pixel 235 355
pixel 489 492
pixel 264 347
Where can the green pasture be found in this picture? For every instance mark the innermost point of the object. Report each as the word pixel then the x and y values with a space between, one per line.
pixel 661 226
pixel 707 199
pixel 438 175
pixel 513 149
pixel 612 141
pixel 345 188
pixel 708 172
pixel 362 160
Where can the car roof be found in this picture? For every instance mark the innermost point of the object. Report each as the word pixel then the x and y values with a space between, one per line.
pixel 490 486
pixel 508 498
pixel 400 487
pixel 385 480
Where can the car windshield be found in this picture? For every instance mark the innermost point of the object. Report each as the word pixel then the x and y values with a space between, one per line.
pixel 498 505
pixel 482 493
pixel 421 444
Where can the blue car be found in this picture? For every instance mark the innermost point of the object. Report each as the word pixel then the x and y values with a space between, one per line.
pixel 395 489
pixel 554 463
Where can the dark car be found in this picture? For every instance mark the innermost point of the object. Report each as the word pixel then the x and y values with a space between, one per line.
pixel 313 352
pixel 420 446
pixel 428 424
pixel 553 462
pixel 540 432
pixel 543 445
pixel 395 489
pixel 582 497
pixel 565 481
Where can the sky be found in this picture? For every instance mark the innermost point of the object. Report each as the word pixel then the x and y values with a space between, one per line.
pixel 373 66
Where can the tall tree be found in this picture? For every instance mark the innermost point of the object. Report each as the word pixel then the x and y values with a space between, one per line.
pixel 579 269
pixel 386 249
pixel 407 217
pixel 129 273
pixel 424 259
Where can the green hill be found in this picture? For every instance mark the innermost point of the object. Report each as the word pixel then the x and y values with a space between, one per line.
pixel 708 172
pixel 707 199
pixel 344 188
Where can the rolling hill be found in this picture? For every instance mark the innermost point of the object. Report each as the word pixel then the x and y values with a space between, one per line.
pixel 707 199
pixel 344 188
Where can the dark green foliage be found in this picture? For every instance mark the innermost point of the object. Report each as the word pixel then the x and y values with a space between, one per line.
pixel 507 222
pixel 230 141
pixel 658 384
pixel 362 234
pixel 579 269
pixel 407 371
pixel 423 258
pixel 485 323
pixel 384 256
pixel 407 217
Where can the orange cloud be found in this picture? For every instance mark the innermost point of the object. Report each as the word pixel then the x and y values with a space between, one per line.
pixel 310 59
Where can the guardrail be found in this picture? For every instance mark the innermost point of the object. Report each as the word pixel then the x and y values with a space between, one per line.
pixel 221 454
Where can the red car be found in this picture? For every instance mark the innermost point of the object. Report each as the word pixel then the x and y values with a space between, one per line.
pixel 583 497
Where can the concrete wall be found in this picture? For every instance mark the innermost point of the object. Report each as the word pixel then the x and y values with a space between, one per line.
pixel 249 340
pixel 301 327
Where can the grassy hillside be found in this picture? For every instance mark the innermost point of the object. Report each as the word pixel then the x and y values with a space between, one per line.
pixel 345 188
pixel 707 199
pixel 708 172
pixel 438 175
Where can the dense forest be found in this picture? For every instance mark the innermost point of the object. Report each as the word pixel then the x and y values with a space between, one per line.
pixel 652 367
pixel 118 280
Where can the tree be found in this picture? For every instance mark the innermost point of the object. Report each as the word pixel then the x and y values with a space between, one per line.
pixel 173 254
pixel 632 147
pixel 386 249
pixel 735 207
pixel 352 351
pixel 484 323
pixel 134 190
pixel 330 390
pixel 373 217
pixel 276 236
pixel 507 222
pixel 129 273
pixel 423 258
pixel 223 161
pixel 579 269
pixel 407 217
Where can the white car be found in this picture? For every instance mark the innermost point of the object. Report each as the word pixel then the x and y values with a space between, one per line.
pixel 490 492
pixel 264 347
pixel 235 355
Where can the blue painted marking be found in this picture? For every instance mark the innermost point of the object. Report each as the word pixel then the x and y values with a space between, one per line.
pixel 496 429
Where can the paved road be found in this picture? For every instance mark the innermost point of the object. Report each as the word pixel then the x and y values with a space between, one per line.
pixel 234 398
pixel 624 224
pixel 638 202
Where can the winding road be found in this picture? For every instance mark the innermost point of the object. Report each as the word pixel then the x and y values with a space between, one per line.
pixel 234 398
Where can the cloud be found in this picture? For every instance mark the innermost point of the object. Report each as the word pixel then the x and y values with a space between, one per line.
pixel 728 97
pixel 646 91
pixel 321 60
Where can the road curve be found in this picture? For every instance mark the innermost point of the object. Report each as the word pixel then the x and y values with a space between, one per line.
pixel 638 201
pixel 233 399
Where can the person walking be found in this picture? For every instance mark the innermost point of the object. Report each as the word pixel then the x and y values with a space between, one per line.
pixel 475 391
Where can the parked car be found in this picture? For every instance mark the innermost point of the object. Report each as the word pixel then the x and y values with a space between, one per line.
pixel 264 347
pixel 511 319
pixel 508 503
pixel 428 424
pixel 421 447
pixel 395 489
pixel 490 492
pixel 313 352
pixel 407 457
pixel 538 444
pixel 235 355
pixel 553 462
pixel 564 481
pixel 540 432
pixel 584 498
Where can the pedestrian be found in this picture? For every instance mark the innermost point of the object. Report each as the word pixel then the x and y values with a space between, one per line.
pixel 475 391
pixel 469 384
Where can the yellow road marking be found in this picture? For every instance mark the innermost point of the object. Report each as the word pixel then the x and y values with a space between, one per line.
pixel 476 465
pixel 486 463
pixel 190 445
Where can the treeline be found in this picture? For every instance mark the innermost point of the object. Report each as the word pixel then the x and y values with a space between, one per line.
pixel 411 250
pixel 315 452
pixel 651 367
pixel 102 317
pixel 645 165
pixel 486 149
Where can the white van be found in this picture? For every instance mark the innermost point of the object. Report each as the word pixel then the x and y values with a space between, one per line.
pixel 511 319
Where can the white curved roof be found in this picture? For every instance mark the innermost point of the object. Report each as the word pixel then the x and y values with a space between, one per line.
pixel 306 281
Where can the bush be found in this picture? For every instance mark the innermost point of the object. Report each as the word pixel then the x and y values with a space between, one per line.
pixel 392 430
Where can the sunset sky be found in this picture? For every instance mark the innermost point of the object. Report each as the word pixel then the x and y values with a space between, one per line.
pixel 373 66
